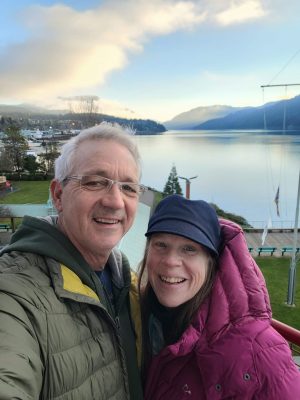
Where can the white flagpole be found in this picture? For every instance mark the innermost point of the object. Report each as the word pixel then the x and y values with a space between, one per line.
pixel 292 270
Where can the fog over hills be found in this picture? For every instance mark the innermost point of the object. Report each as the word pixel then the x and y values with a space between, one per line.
pixel 253 117
pixel 31 116
pixel 226 117
pixel 189 119
pixel 28 109
pixel 219 117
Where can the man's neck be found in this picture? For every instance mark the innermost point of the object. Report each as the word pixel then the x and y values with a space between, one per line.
pixel 96 261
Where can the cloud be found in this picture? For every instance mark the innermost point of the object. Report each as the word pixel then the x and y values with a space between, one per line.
pixel 241 11
pixel 68 51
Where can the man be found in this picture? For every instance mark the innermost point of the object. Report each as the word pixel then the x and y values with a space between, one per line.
pixel 66 326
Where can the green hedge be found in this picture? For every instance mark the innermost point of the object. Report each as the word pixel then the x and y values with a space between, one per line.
pixel 28 177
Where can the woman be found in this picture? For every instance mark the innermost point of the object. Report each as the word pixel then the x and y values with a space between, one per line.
pixel 206 312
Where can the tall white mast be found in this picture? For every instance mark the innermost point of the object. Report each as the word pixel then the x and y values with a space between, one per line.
pixel 292 270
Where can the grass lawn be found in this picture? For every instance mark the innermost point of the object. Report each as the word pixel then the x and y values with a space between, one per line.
pixel 34 192
pixel 276 273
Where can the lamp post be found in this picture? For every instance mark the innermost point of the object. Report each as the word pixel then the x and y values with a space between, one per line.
pixel 187 184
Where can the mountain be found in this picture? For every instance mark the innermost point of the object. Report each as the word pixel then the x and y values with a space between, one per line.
pixel 191 118
pixel 30 116
pixel 27 109
pixel 253 117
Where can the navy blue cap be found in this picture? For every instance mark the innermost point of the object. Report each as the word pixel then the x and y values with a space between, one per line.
pixel 192 219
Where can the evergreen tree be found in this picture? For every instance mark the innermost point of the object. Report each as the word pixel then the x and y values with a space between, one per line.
pixel 30 164
pixel 15 146
pixel 48 157
pixel 6 162
pixel 172 186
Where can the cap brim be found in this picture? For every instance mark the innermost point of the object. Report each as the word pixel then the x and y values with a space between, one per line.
pixel 182 228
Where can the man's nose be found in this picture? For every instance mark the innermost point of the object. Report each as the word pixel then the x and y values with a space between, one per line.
pixel 113 197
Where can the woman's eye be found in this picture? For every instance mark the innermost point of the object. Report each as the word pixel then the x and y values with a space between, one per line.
pixel 189 249
pixel 160 245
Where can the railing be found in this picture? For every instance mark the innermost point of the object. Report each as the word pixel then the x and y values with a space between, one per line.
pixel 282 224
pixel 292 335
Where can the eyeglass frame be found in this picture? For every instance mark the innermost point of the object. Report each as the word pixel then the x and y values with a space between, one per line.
pixel 140 188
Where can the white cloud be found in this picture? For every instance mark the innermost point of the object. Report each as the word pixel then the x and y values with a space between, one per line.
pixel 240 11
pixel 69 51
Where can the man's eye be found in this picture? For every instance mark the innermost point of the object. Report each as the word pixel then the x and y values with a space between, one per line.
pixel 127 187
pixel 95 183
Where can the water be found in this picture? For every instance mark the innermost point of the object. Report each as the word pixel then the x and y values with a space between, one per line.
pixel 238 171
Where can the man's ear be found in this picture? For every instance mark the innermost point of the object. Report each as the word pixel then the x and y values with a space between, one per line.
pixel 56 193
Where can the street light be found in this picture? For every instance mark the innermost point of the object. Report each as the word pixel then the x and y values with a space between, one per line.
pixel 187 185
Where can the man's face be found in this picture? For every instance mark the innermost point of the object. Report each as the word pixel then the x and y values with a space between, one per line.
pixel 95 221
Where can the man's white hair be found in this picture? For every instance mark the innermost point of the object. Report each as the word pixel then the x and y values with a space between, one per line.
pixel 64 164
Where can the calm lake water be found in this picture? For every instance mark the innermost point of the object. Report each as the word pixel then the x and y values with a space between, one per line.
pixel 238 171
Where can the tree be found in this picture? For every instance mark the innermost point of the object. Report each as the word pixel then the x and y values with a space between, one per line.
pixel 30 164
pixel 6 163
pixel 85 106
pixel 172 186
pixel 5 212
pixel 48 157
pixel 15 147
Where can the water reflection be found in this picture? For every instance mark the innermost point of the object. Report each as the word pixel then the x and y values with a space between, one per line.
pixel 239 171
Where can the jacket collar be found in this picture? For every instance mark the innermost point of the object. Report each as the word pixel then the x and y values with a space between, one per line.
pixel 67 284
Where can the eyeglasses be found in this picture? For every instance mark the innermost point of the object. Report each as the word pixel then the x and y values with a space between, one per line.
pixel 97 183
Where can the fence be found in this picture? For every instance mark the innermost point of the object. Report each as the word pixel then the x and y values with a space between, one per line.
pixel 275 224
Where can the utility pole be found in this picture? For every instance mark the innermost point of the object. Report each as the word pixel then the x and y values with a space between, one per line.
pixel 187 185
pixel 292 270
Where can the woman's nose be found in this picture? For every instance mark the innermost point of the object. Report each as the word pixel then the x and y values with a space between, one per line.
pixel 172 259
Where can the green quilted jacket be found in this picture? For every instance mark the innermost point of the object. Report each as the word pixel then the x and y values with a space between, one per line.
pixel 60 338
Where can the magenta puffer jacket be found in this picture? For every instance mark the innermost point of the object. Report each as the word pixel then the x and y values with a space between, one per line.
pixel 230 351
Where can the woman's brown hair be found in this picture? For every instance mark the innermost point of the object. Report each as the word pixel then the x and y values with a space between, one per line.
pixel 184 313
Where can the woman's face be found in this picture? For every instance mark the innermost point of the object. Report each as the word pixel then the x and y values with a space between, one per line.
pixel 176 267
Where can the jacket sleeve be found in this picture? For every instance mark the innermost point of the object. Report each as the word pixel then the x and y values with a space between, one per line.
pixel 21 369
pixel 279 375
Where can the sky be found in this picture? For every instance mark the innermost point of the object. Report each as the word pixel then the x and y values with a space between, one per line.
pixel 148 58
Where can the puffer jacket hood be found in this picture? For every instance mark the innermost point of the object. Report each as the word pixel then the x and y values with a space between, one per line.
pixel 239 291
